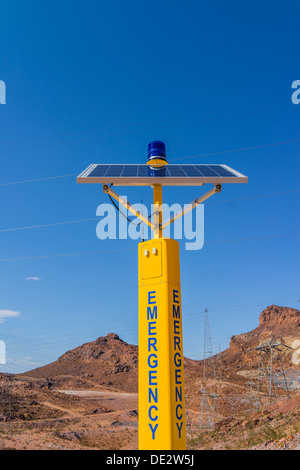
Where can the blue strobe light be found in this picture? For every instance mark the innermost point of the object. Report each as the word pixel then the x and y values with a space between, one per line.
pixel 157 150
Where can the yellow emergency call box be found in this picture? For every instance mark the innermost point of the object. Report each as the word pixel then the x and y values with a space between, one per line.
pixel 161 375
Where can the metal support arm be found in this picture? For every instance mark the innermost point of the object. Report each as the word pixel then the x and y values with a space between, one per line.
pixel 158 228
pixel 127 206
pixel 216 189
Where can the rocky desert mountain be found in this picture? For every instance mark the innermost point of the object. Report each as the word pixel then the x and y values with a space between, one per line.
pixel 87 398
pixel 108 362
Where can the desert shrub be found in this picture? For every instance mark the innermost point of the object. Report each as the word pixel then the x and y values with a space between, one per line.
pixel 272 433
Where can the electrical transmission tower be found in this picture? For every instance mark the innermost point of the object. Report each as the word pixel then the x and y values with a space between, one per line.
pixel 189 424
pixel 250 396
pixel 208 404
pixel 270 371
pixel 209 363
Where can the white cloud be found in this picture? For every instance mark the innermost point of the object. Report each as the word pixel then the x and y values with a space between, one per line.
pixel 4 314
pixel 19 365
pixel 25 361
pixel 33 278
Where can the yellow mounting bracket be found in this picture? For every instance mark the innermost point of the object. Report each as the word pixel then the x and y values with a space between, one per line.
pixel 158 226
pixel 127 206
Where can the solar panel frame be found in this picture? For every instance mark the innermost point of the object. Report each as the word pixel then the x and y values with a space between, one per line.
pixel 172 175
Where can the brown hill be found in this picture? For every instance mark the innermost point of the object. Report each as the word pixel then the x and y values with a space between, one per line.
pixel 109 362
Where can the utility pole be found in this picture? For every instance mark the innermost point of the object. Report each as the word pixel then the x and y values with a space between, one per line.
pixel 189 426
pixel 267 375
pixel 251 397
pixel 209 362
pixel 208 404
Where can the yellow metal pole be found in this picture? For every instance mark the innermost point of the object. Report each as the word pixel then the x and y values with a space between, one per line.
pixel 157 202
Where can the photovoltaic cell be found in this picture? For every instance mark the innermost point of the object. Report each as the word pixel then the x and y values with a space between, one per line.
pixel 220 170
pixel 191 170
pixel 100 170
pixel 206 171
pixel 115 170
pixel 130 170
pixel 176 170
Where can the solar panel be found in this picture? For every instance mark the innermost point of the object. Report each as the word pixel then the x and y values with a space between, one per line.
pixel 169 175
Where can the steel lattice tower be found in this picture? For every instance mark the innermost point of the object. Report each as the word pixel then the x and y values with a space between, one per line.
pixel 267 376
pixel 208 404
pixel 251 396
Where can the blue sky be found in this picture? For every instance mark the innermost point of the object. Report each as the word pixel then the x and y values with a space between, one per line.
pixel 97 81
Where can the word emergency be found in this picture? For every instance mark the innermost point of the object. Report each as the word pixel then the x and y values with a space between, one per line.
pixel 152 361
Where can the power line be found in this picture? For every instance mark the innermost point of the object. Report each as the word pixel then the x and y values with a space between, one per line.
pixel 53 224
pixel 70 334
pixel 39 179
pixel 245 306
pixel 226 312
pixel 43 341
pixel 67 254
pixel 76 332
pixel 237 150
pixel 218 312
pixel 133 249
pixel 254 197
pixel 256 238
pixel 48 225
pixel 171 160
pixel 247 299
